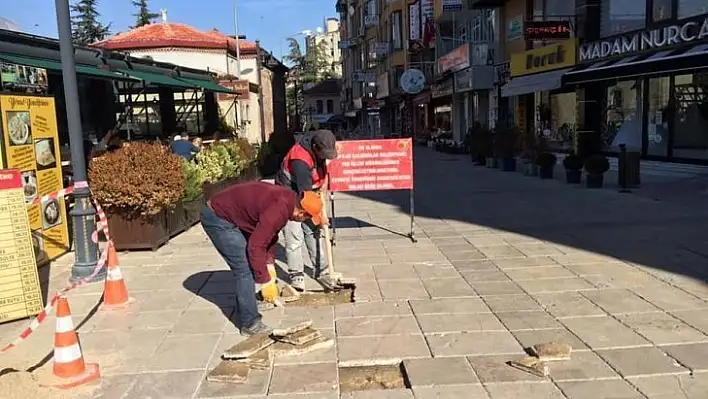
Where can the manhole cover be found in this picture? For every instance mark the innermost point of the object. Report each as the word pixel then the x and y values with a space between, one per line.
pixel 368 378
pixel 315 299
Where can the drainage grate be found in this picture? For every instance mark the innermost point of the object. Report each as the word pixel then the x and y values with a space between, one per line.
pixel 316 299
pixel 370 378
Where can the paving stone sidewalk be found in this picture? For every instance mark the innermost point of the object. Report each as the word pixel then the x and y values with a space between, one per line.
pixel 502 262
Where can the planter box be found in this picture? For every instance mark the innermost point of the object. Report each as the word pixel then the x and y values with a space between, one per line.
pixel 138 233
pixel 176 220
pixel 573 176
pixel 508 164
pixel 193 211
pixel 593 180
pixel 210 189
pixel 546 172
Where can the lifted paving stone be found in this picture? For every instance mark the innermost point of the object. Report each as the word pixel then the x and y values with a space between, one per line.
pixel 228 371
pixel 301 337
pixel 250 346
pixel 286 349
pixel 282 332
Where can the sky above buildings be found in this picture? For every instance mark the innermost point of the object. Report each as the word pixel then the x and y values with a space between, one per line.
pixel 271 21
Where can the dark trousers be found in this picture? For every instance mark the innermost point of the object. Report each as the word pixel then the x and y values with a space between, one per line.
pixel 231 244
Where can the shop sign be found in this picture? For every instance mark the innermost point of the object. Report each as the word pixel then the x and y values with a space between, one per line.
pixel 653 39
pixel 427 11
pixel 515 28
pixel 463 80
pixel 414 23
pixel 382 89
pixel 24 79
pixel 548 58
pixel 241 87
pixel 345 44
pixel 502 73
pixel 451 5
pixel 21 294
pixel 364 77
pixel 381 49
pixel 31 144
pixel 371 20
pixel 455 60
pixel 442 89
pixel 546 30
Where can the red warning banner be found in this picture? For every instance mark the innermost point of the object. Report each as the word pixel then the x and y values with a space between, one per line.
pixel 372 165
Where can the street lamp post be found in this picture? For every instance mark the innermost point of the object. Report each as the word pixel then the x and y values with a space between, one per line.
pixel 83 215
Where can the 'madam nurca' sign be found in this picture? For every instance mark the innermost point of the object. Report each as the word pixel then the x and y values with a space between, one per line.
pixel 645 40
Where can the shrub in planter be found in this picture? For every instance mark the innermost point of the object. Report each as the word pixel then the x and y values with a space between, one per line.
pixel 138 185
pixel 573 166
pixel 505 147
pixel 595 168
pixel 546 162
pixel 192 197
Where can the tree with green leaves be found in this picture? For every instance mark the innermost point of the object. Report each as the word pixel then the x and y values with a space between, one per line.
pixel 306 69
pixel 144 15
pixel 86 27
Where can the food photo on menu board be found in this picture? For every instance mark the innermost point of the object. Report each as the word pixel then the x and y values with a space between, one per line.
pixel 30 143
pixel 21 78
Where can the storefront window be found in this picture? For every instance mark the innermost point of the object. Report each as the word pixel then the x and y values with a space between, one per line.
pixel 620 16
pixel 690 8
pixel 623 125
pixel 691 119
pixel 658 117
pixel 561 126
pixel 396 30
pixel 661 10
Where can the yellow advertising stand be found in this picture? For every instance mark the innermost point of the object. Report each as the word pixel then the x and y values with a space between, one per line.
pixel 20 293
pixel 30 144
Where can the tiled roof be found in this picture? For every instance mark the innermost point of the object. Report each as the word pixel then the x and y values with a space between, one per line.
pixel 329 86
pixel 172 34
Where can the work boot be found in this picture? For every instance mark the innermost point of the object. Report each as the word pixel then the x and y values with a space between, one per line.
pixel 257 328
pixel 297 281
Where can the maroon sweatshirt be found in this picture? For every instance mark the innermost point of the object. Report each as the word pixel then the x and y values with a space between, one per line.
pixel 260 210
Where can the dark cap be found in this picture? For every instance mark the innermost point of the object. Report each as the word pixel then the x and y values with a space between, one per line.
pixel 325 141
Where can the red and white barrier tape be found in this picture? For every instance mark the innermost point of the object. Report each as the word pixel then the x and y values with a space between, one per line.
pixel 103 220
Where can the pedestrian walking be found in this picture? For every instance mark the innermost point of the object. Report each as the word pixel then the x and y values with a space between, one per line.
pixel 305 169
pixel 243 222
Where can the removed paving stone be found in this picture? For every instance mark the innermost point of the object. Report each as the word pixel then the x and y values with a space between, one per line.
pixel 282 332
pixel 286 349
pixel 248 347
pixel 301 337
pixel 228 371
pixel 552 351
pixel 531 365
pixel 367 378
pixel 288 293
pixel 261 360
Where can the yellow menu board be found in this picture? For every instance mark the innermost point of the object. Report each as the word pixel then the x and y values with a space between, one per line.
pixel 20 294
pixel 31 145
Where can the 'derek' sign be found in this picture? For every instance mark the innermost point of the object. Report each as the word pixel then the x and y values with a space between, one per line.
pixel 372 165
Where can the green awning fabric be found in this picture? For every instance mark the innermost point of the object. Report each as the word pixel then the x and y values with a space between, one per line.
pixel 208 85
pixel 159 80
pixel 56 66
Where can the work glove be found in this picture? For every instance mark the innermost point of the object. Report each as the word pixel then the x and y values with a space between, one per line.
pixel 269 291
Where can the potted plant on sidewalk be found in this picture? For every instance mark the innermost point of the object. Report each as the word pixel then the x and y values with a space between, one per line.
pixel 505 143
pixel 138 186
pixel 595 168
pixel 546 162
pixel 529 148
pixel 573 168
pixel 192 197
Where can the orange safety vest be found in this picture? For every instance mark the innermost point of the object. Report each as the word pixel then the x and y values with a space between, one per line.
pixel 299 153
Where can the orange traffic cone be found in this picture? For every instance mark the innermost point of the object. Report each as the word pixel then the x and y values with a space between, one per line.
pixel 115 293
pixel 69 364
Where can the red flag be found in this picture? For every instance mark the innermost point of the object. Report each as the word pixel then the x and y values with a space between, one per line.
pixel 429 33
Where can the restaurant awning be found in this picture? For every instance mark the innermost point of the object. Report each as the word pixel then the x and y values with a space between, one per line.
pixel 208 85
pixel 56 66
pixel 666 61
pixel 539 82
pixel 156 79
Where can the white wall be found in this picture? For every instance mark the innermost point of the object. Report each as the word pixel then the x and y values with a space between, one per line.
pixel 222 64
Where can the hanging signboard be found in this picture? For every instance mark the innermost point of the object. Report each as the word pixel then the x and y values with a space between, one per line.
pixel 30 143
pixel 20 291
pixel 23 79
pixel 546 30
pixel 240 86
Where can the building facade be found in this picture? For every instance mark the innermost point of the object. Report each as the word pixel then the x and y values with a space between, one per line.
pixel 322 106
pixel 184 45
pixel 328 38
pixel 589 75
